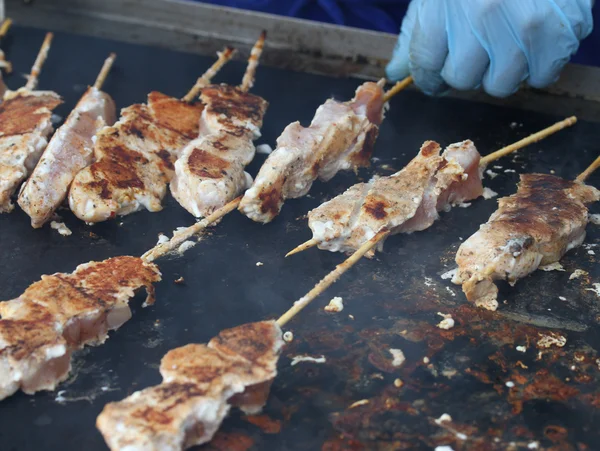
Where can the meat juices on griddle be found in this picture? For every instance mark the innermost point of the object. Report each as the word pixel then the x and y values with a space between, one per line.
pixel 536 226
pixel 69 151
pixel 200 384
pixel 61 313
pixel 340 137
pixel 210 171
pixel 134 159
pixel 405 202
pixel 25 124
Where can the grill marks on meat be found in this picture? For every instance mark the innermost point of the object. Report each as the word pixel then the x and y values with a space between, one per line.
pixel 405 202
pixel 134 159
pixel 61 313
pixel 200 384
pixel 25 124
pixel 536 226
pixel 69 151
pixel 210 171
pixel 340 137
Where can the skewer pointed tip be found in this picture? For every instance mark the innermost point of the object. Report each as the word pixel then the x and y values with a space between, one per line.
pixel 304 246
pixel 32 80
pixel 399 86
pixel 255 53
pixel 105 70
pixel 590 169
pixel 205 79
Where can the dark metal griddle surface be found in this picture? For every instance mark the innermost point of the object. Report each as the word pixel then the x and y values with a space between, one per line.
pixel 393 299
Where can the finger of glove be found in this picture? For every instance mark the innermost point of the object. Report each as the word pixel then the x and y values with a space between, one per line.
pixel 429 48
pixel 579 15
pixel 546 37
pixel 508 65
pixel 398 68
pixel 467 60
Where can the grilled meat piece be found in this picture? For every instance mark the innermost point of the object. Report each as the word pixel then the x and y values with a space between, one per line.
pixel 69 151
pixel 200 384
pixel 64 312
pixel 340 137
pixel 536 226
pixel 25 124
pixel 405 202
pixel 134 159
pixel 210 171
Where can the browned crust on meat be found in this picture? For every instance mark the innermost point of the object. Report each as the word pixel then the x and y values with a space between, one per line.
pixel 376 207
pixel 175 114
pixel 205 164
pixel 271 197
pixel 231 101
pixel 22 113
pixel 362 158
pixel 248 340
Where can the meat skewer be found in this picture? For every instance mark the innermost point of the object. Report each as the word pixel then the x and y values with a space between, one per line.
pixel 536 226
pixel 68 152
pixel 134 157
pixel 367 246
pixel 61 313
pixel 4 64
pixel 409 200
pixel 210 171
pixel 25 124
pixel 341 136
pixel 184 234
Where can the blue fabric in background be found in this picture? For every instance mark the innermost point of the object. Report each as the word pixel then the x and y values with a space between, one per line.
pixel 379 15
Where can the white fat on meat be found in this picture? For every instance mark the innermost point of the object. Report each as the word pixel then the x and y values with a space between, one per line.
pixel 210 171
pixel 25 124
pixel 340 137
pixel 61 313
pixel 405 202
pixel 69 151
pixel 200 385
pixel 536 226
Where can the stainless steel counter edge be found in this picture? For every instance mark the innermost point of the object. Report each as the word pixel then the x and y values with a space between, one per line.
pixel 294 44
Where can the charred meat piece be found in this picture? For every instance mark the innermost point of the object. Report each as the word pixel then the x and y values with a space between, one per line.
pixel 69 151
pixel 134 159
pixel 200 384
pixel 405 202
pixel 64 312
pixel 536 226
pixel 210 171
pixel 25 124
pixel 340 137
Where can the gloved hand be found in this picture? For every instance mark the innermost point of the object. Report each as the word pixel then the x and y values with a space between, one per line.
pixel 494 43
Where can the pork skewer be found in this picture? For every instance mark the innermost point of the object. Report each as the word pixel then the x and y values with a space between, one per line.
pixel 69 151
pixel 40 329
pixel 368 245
pixel 409 200
pixel 184 234
pixel 341 136
pixel 4 64
pixel 134 157
pixel 536 226
pixel 210 171
pixel 25 124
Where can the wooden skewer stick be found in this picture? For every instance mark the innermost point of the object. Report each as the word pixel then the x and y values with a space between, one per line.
pixel 104 71
pixel 591 168
pixel 4 27
pixel 205 78
pixel 528 140
pixel 248 80
pixel 32 80
pixel 163 248
pixel 331 278
pixel 485 161
pixel 6 65
pixel 397 88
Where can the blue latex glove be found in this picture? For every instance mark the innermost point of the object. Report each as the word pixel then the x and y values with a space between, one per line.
pixel 494 43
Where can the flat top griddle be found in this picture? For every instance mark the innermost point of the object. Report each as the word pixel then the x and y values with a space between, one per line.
pixel 392 299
